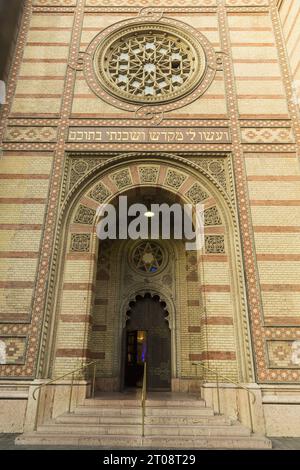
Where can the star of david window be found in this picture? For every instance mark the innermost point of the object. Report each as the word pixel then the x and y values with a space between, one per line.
pixel 148 258
pixel 149 63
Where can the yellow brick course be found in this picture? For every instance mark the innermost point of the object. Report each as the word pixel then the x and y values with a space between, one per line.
pixel 46 52
pixel 15 301
pixel 276 215
pixel 278 166
pixel 281 304
pixel 279 272
pixel 36 105
pixel 23 240
pixel 277 243
pixel 17 269
pixel 74 302
pixel 24 188
pixel 25 164
pixel 40 86
pixel 283 190
pixel 43 69
pixel 49 21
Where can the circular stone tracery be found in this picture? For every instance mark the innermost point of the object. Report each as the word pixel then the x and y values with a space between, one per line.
pixel 151 63
pixel 148 258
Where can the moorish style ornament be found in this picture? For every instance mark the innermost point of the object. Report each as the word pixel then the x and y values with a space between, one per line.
pixel 153 63
pixel 80 242
pixel 148 258
pixel 212 216
pixel 214 244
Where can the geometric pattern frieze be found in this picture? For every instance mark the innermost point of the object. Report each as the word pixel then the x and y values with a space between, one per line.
pixel 151 3
pixel 54 3
pixel 267 135
pixel 254 3
pixel 12 349
pixel 31 134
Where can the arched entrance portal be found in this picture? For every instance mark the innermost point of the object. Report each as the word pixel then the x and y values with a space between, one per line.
pixel 148 338
pixel 94 281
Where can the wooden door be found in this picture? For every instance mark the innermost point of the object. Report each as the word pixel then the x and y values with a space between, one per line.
pixel 148 314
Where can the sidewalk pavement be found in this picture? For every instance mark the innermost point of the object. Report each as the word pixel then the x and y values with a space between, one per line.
pixel 7 442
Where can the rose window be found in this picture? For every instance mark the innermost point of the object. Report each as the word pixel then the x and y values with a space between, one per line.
pixel 149 64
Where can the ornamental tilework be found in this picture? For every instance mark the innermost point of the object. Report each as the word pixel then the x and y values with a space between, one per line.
pixel 267 135
pixel 284 354
pixel 148 174
pixel 122 178
pixel 196 194
pixel 174 179
pixel 80 242
pixel 99 193
pixel 84 215
pixel 12 350
pixel 31 134
pixel 214 244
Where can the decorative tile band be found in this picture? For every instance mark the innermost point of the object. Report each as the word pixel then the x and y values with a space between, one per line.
pixel 30 134
pixel 13 349
pixel 284 354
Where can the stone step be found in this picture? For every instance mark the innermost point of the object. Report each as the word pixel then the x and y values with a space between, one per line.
pixel 99 402
pixel 179 411
pixel 196 430
pixel 56 439
pixel 163 442
pixel 92 419
pixel 102 411
pixel 93 429
pixel 150 430
pixel 188 420
pixel 208 442
pixel 136 411
pixel 192 403
pixel 69 418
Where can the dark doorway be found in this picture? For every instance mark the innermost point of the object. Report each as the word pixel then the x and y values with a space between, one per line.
pixel 136 355
pixel 148 338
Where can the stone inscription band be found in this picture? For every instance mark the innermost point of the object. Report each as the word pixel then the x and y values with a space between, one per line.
pixel 135 134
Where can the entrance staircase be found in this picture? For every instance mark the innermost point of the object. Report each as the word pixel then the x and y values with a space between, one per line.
pixel 172 421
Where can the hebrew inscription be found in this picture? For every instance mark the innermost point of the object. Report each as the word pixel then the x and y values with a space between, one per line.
pixel 148 135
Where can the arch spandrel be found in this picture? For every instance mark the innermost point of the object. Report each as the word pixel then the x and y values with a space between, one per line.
pixel 189 183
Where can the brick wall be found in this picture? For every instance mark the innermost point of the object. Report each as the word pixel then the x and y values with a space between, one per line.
pixel 49 291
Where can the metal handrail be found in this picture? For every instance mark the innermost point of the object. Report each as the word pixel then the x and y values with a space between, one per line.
pixel 72 373
pixel 238 384
pixel 144 394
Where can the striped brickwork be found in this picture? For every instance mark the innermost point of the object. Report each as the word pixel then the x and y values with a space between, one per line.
pixel 290 19
pixel 56 299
